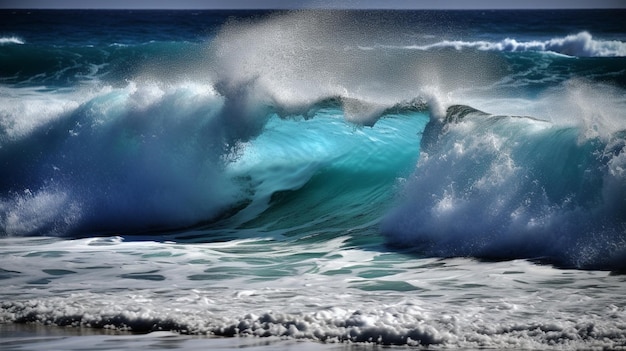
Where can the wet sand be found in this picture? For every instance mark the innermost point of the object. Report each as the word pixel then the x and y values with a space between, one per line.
pixel 22 337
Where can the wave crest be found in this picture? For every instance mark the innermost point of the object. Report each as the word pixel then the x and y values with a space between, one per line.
pixel 11 40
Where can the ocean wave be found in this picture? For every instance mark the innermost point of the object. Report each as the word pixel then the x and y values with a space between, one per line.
pixel 196 144
pixel 581 44
pixel 11 40
pixel 153 156
pixel 156 156
pixel 503 187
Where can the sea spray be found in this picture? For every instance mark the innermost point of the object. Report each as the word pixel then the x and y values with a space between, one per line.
pixel 294 60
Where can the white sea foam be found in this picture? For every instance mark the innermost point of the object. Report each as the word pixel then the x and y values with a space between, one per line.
pixel 326 292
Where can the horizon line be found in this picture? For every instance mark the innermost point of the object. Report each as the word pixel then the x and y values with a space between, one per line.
pixel 315 8
pixel 312 5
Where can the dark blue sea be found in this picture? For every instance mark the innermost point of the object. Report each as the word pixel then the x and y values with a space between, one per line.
pixel 314 179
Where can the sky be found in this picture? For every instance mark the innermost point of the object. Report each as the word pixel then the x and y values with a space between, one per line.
pixel 283 4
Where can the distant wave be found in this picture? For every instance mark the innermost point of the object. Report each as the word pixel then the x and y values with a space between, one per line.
pixel 11 40
pixel 580 45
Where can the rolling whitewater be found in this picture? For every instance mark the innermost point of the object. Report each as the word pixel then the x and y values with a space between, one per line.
pixel 312 179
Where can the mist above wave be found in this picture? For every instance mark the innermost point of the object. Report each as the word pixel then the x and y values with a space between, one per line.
pixel 297 58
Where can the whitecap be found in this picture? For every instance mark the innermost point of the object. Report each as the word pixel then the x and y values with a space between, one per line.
pixel 11 40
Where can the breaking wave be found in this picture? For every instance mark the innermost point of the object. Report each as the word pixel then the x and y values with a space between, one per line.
pixel 503 187
pixel 255 124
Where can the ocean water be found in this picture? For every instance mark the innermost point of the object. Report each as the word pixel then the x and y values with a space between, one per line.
pixel 333 180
